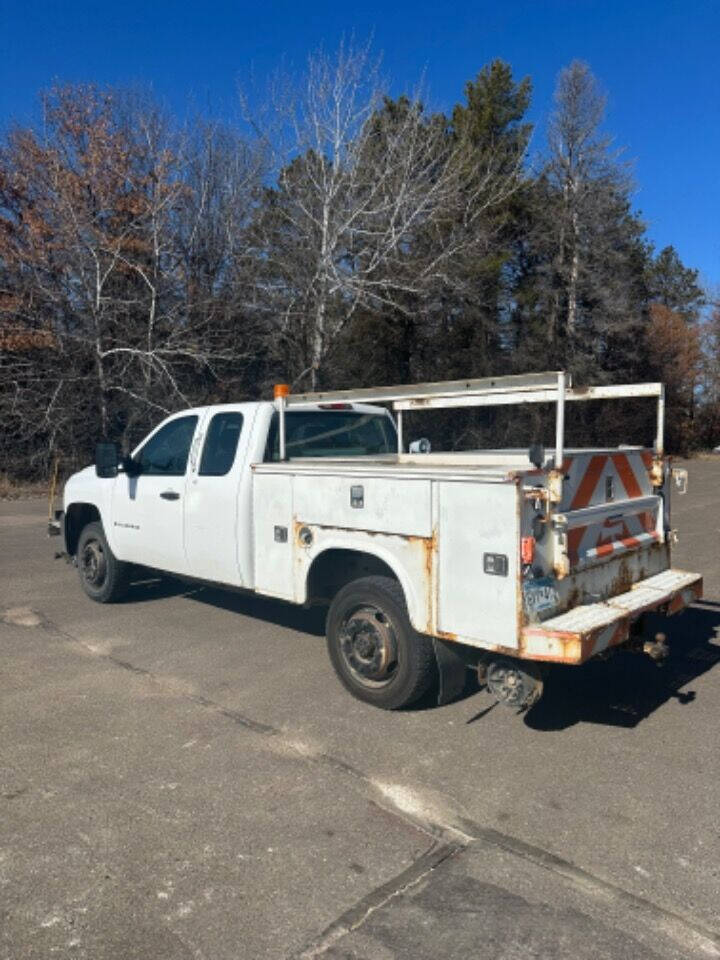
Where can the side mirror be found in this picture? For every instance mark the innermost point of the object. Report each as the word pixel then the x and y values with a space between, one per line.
pixel 107 460
pixel 419 446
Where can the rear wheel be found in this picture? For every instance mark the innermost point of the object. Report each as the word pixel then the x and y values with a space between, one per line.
pixel 376 653
pixel 103 577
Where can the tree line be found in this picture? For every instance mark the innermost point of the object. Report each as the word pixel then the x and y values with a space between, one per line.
pixel 341 237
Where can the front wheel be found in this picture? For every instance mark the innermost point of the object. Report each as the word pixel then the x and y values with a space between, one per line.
pixel 103 577
pixel 376 653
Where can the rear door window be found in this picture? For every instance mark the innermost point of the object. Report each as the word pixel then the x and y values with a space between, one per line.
pixel 221 443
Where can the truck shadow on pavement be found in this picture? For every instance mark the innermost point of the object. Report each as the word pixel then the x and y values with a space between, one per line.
pixel 625 689
pixel 305 619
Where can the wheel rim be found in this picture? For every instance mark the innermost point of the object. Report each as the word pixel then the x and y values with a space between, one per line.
pixel 368 647
pixel 93 564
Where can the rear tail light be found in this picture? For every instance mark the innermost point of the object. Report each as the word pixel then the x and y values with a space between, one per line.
pixel 527 549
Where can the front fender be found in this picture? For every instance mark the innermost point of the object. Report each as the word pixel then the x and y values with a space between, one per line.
pixel 86 498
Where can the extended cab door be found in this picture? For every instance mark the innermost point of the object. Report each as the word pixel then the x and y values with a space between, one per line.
pixel 147 510
pixel 217 516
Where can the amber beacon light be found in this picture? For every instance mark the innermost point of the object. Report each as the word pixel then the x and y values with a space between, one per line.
pixel 281 390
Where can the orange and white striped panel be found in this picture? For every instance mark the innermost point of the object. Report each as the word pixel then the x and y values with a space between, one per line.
pixel 603 478
pixel 587 475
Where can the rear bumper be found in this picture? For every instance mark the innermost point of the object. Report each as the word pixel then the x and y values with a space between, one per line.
pixel 585 631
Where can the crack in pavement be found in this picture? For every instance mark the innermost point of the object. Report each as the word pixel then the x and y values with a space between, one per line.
pixel 448 837
pixel 357 915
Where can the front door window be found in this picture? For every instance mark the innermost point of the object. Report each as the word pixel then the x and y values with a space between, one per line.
pixel 166 452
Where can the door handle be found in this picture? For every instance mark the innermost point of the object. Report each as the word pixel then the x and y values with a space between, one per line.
pixel 170 495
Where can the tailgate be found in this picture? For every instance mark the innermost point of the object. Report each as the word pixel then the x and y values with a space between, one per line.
pixel 608 506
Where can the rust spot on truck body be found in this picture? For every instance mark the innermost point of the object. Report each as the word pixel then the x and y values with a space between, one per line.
pixel 429 548
pixel 611 576
pixel 624 579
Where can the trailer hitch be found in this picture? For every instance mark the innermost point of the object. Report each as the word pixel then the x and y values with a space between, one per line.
pixel 657 649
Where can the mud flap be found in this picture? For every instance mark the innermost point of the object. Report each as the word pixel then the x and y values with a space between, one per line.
pixel 451 671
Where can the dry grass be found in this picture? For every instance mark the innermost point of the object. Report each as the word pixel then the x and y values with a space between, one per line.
pixel 21 490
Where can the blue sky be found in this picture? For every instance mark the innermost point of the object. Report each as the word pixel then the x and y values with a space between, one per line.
pixel 657 60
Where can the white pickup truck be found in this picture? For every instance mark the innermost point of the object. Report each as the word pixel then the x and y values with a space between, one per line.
pixel 431 563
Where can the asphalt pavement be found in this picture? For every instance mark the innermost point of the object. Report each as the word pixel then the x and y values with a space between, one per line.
pixel 181 775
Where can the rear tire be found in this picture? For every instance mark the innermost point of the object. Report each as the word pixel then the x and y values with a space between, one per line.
pixel 376 653
pixel 103 577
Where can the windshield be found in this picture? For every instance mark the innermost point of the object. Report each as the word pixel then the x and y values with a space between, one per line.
pixel 333 433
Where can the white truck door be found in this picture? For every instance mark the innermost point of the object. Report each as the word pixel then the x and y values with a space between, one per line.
pixel 274 534
pixel 478 599
pixel 214 518
pixel 147 510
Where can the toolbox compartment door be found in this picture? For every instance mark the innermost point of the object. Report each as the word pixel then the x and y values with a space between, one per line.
pixel 478 519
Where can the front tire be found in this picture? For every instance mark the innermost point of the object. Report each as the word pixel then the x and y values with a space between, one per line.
pixel 103 577
pixel 376 653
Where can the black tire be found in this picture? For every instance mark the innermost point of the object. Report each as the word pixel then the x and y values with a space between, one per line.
pixel 103 577
pixel 376 653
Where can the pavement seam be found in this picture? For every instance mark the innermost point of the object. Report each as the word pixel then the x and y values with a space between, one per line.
pixel 426 827
pixel 356 915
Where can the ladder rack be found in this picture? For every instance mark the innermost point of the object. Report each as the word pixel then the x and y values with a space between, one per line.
pixel 551 387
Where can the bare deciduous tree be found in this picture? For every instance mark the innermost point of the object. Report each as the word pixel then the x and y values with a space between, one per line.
pixel 372 204
pixel 118 232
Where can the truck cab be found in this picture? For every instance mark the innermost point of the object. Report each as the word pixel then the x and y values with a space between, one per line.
pixel 182 501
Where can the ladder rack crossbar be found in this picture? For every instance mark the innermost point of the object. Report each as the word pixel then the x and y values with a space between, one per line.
pixel 539 395
pixel 419 391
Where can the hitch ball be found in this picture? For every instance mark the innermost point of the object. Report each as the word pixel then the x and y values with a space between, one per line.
pixel 657 649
